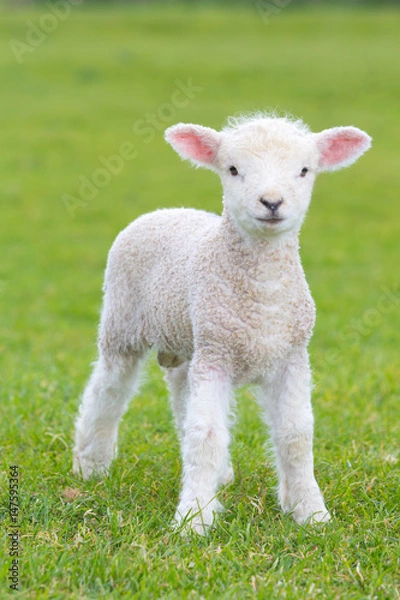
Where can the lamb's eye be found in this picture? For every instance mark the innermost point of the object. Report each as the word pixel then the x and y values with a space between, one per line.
pixel 304 172
pixel 233 170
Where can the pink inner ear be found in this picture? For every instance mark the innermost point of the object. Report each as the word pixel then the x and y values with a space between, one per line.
pixel 341 147
pixel 195 146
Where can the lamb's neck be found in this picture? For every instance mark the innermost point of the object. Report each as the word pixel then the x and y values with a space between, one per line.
pixel 259 257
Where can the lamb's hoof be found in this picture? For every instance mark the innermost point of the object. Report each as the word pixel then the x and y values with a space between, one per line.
pixel 228 476
pixel 320 517
pixel 88 468
pixel 310 513
pixel 189 518
pixel 304 503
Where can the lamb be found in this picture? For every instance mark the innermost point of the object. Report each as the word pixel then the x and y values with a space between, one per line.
pixel 224 301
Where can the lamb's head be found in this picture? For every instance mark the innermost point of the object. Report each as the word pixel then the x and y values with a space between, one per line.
pixel 268 165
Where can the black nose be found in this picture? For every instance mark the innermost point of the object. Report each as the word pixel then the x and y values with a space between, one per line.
pixel 271 205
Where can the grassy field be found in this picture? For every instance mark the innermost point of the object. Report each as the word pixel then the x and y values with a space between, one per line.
pixel 83 108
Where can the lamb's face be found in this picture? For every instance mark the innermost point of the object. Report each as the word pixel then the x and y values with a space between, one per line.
pixel 267 166
pixel 267 177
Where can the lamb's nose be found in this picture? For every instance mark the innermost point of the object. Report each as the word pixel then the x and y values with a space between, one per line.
pixel 271 205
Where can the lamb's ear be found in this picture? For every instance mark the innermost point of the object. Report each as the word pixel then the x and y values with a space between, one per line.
pixel 340 147
pixel 194 142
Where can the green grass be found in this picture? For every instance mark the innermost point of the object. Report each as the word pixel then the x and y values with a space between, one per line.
pixel 78 96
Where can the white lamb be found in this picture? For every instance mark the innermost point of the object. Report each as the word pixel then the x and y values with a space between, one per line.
pixel 225 302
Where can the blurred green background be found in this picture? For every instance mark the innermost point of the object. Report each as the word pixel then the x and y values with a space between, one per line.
pixel 86 91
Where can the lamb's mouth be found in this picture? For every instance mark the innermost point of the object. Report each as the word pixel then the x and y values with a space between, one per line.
pixel 271 220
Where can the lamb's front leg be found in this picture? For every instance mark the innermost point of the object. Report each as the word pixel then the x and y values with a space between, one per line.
pixel 287 402
pixel 204 446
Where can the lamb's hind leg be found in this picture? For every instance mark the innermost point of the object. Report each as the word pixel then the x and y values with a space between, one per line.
pixel 104 401
pixel 177 380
